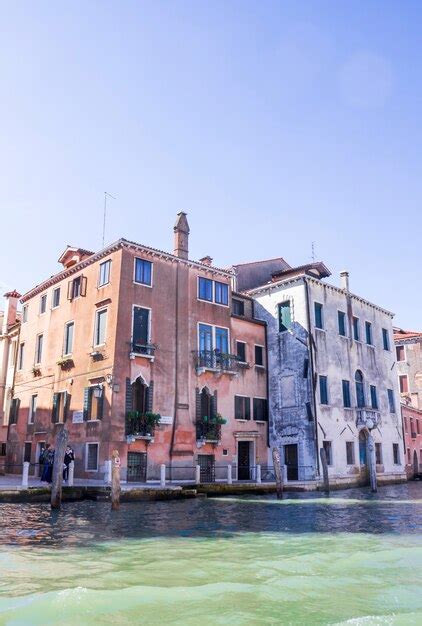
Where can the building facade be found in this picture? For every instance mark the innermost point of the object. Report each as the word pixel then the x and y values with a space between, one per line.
pixel 146 352
pixel 409 366
pixel 331 377
pixel 412 426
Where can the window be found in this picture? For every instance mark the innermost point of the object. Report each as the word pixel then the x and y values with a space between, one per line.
pixel 91 459
pixel 368 333
pixel 141 330
pixel 238 307
pixel 21 355
pixel 242 408
pixel 27 452
pixel 341 323
pixel 391 401
pixel 221 340
pixel 3 449
pixel 43 303
pixel 346 394
pixel 374 397
pixel 385 339
pixel 408 456
pixel 68 338
pixel 360 390
pixel 143 272
pixel 404 384
pixel 319 317
pixel 356 335
pixel 260 409
pixel 396 454
pixel 323 390
pixel 241 351
pixel 100 327
pixel 32 409
pixel 104 276
pixel 25 314
pixel 259 356
pixel 400 353
pixel 61 402
pixel 328 451
pixel 94 402
pixel 38 349
pixel 417 427
pixel 205 289
pixel 221 293
pixel 14 411
pixel 350 453
pixel 76 288
pixel 284 316
pixel 378 454
pixel 56 298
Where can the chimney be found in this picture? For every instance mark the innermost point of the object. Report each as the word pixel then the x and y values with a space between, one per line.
pixel 344 280
pixel 9 318
pixel 206 260
pixel 181 236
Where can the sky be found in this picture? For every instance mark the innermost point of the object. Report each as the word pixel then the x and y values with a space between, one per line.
pixel 275 125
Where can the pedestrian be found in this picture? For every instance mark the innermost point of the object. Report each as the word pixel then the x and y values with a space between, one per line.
pixel 47 460
pixel 69 457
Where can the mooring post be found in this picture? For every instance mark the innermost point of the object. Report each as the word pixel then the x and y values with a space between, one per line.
pixel 277 472
pixel 25 474
pixel 229 475
pixel 372 463
pixel 163 475
pixel 107 473
pixel 71 474
pixel 324 464
pixel 57 482
pixel 258 474
pixel 115 480
pixel 197 474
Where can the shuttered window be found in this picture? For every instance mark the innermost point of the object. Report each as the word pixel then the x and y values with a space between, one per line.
pixel 368 333
pixel 38 349
pixel 346 394
pixel 260 409
pixel 100 327
pixel 284 316
pixel 341 323
pixel 323 390
pixel 356 334
pixel 374 397
pixel 350 453
pixel 242 408
pixel 391 401
pixel 68 338
pixel 61 401
pixel 104 276
pixel 319 315
pixel 241 351
pixel 92 457
pixel 385 339
pixel 14 411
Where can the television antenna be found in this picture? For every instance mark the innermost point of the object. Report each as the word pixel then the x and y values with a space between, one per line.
pixel 106 195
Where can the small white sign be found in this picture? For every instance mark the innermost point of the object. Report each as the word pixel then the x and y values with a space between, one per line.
pixel 78 417
pixel 166 419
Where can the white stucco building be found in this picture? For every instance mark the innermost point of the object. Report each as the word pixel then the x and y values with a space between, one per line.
pixel 332 378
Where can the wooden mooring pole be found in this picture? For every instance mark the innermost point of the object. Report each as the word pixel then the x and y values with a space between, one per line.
pixel 372 463
pixel 115 480
pixel 57 480
pixel 324 464
pixel 278 473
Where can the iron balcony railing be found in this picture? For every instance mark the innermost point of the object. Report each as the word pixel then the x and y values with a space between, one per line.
pixel 208 431
pixel 367 417
pixel 143 348
pixel 216 360
pixel 139 426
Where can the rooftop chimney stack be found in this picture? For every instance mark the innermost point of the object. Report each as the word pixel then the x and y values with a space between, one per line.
pixel 181 236
pixel 206 260
pixel 344 280
pixel 10 313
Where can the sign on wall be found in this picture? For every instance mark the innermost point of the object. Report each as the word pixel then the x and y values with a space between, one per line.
pixel 78 417
pixel 166 419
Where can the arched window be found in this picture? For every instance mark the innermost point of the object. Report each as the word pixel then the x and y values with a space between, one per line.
pixel 206 404
pixel 140 396
pixel 360 389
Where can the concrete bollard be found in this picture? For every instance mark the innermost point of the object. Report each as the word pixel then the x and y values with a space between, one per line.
pixel 162 475
pixel 71 474
pixel 258 474
pixel 107 475
pixel 25 474
pixel 197 474
pixel 229 475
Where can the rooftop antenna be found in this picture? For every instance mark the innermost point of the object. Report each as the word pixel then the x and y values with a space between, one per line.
pixel 313 252
pixel 106 195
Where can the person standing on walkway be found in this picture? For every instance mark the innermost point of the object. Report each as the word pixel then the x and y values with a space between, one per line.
pixel 48 461
pixel 69 456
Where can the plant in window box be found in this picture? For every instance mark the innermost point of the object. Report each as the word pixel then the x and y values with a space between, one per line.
pixel 142 424
pixel 97 355
pixel 210 427
pixel 65 363
pixel 36 371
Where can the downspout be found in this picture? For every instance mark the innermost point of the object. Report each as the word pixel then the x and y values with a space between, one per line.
pixel 311 359
pixel 176 363
pixel 267 384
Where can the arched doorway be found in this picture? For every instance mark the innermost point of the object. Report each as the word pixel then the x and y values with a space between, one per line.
pixel 360 389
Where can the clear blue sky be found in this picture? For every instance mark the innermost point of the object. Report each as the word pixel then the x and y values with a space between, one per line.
pixel 273 124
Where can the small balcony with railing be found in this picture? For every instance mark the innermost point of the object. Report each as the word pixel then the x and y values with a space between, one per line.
pixel 208 430
pixel 141 425
pixel 216 361
pixel 145 350
pixel 367 417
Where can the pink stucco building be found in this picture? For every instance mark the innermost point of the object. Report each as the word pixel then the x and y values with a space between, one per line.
pixel 118 336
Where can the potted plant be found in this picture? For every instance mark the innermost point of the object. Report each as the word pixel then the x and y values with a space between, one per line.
pixel 65 363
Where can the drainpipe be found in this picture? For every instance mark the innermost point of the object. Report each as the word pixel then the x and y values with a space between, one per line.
pixel 176 363
pixel 311 362
pixel 267 384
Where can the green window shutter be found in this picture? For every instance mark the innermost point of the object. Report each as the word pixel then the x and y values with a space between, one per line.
pixel 284 316
pixel 129 396
pixel 66 405
pixel 87 403
pixel 247 408
pixel 198 405
pixel 54 415
pixel 100 405
pixel 149 400
pixel 213 405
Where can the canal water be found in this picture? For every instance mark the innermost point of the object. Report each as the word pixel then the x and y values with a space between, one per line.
pixel 353 558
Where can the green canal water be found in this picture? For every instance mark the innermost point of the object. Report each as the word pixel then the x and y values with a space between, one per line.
pixel 353 558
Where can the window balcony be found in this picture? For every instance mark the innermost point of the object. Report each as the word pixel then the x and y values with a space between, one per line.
pixel 146 350
pixel 216 361
pixel 367 418
pixel 208 431
pixel 139 426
